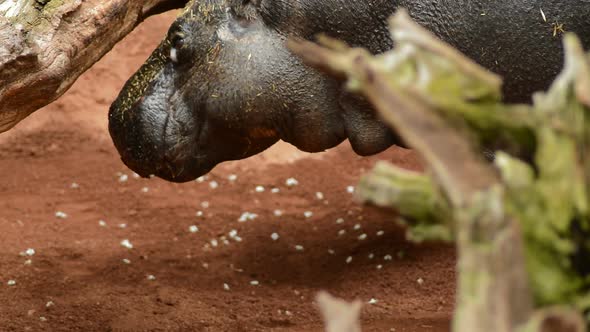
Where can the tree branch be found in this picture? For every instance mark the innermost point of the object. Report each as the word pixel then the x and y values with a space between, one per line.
pixel 46 45
pixel 521 232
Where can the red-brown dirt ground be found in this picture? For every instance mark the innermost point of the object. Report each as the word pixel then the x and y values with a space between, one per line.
pixel 80 277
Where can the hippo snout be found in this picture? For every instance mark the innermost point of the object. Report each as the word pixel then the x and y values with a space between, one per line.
pixel 153 140
pixel 223 86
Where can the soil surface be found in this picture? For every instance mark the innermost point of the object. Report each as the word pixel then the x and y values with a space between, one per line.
pixel 67 203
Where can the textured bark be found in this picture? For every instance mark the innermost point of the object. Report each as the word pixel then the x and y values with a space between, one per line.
pixel 46 45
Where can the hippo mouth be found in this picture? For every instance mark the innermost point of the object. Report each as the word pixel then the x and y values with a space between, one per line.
pixel 158 143
pixel 158 134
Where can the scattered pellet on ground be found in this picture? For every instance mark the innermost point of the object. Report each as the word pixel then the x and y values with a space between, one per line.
pixel 291 182
pixel 127 244
pixel 61 215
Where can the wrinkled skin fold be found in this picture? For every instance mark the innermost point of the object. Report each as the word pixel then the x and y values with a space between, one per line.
pixel 223 86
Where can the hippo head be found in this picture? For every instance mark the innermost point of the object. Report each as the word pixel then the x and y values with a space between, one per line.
pixel 223 86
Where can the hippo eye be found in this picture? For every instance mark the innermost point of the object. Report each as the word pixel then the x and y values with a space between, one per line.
pixel 176 42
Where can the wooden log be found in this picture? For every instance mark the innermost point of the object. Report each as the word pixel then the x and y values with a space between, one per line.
pixel 46 45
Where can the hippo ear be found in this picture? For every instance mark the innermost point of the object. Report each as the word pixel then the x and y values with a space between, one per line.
pixel 366 133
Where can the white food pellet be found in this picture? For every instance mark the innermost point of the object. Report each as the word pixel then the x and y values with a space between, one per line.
pixel 233 233
pixel 357 227
pixel 350 189
pixel 232 177
pixel 199 214
pixel 340 221
pixel 308 214
pixel 291 182
pixel 274 236
pixel 123 178
pixel 226 287
pixel 205 204
pixel 49 304
pixel 214 242
pixel 11 282
pixel 259 189
pixel 278 213
pixel 30 252
pixel 341 232
pixel 379 267
pixel 348 259
pixel 201 179
pixel 61 215
pixel 362 237
pixel 151 277
pixel 299 247
pixel 372 301
pixel 387 257
pixel 420 281
pixel 319 195
pixel 238 239
pixel 247 216
pixel 205 265
pixel 122 225
pixel 102 223
pixel 126 261
pixel 193 228
pixel 254 283
pixel 135 175
pixel 42 318
pixel 125 243
pixel 371 256
pixel 213 184
pixel 380 233
pixel 74 185
pixel 145 189
pixel 275 190
pixel 28 262
pixel 331 251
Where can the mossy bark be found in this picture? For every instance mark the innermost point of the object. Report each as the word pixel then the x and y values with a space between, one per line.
pixel 46 45
pixel 521 226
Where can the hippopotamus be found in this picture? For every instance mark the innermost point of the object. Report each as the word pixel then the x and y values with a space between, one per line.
pixel 223 85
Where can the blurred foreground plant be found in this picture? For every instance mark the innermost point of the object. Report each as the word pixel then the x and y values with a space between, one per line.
pixel 521 228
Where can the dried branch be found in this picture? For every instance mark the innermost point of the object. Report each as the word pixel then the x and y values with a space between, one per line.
pixel 339 315
pixel 522 233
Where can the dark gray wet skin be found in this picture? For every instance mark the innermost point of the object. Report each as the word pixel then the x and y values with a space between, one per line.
pixel 223 86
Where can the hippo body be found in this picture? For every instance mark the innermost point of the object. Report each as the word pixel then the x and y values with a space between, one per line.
pixel 223 86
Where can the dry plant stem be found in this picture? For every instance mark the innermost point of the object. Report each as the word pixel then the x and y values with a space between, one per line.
pixel 382 186
pixel 555 319
pixel 339 315
pixel 46 45
pixel 415 197
pixel 493 293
